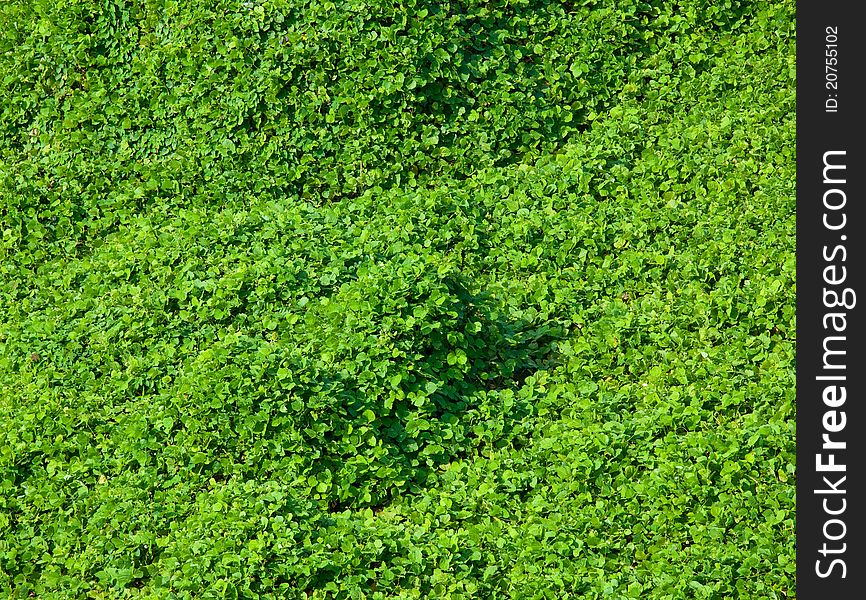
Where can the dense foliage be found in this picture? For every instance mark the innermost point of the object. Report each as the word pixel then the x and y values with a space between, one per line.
pixel 380 300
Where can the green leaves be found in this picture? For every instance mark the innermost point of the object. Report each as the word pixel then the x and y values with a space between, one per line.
pixel 385 300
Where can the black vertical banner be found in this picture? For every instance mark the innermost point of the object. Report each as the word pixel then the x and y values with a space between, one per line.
pixel 831 395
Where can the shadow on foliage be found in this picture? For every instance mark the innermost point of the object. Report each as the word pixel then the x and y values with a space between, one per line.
pixel 428 373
